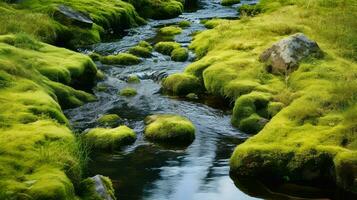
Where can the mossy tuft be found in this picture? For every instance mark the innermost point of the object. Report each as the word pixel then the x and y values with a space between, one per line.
pixel 182 84
pixel 120 59
pixel 166 48
pixel 109 120
pixel 128 92
pixel 179 54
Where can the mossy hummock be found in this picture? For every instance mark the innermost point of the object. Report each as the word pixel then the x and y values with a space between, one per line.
pixel 170 129
pixel 229 2
pixel 170 30
pixel 120 59
pixel 128 92
pixel 182 84
pixel 166 48
pixel 109 138
pixel 109 120
pixel 158 9
pixel 40 156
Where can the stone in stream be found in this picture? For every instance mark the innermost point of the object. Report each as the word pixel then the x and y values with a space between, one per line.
pixel 284 56
pixel 67 15
pixel 98 187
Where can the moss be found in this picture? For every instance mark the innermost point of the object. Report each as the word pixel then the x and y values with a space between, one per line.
pixel 184 24
pixel 158 9
pixel 166 48
pixel 133 79
pixel 314 132
pixel 95 56
pixel 37 20
pixel 145 45
pixel 120 59
pixel 140 51
pixel 40 156
pixel 192 96
pixel 109 120
pixel 170 30
pixel 171 129
pixel 229 2
pixel 182 84
pixel 249 10
pixel 128 92
pixel 109 139
pixel 179 54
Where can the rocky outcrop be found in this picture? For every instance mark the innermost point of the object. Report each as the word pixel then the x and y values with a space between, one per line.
pixel 68 16
pixel 284 56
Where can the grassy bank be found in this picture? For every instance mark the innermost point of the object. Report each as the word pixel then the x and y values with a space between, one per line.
pixel 40 157
pixel 311 132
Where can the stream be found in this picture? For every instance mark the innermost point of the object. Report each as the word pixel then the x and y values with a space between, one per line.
pixel 145 170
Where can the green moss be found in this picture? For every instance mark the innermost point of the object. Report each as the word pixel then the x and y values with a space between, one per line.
pixel 88 190
pixel 158 9
pixel 171 129
pixel 249 10
pixel 182 84
pixel 128 92
pixel 170 30
pixel 120 59
pixel 40 156
pixel 184 24
pixel 229 2
pixel 166 48
pixel 133 79
pixel 140 51
pixel 314 132
pixel 109 120
pixel 109 139
pixel 192 96
pixel 145 45
pixel 95 56
pixel 179 54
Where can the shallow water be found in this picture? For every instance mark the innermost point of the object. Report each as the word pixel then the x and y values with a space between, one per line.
pixel 148 171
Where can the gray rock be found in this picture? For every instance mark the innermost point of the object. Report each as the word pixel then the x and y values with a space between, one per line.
pixel 101 188
pixel 284 56
pixel 68 16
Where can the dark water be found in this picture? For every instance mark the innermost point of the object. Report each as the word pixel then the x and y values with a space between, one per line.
pixel 148 171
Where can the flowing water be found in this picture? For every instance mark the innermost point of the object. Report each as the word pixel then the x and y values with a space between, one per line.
pixel 148 171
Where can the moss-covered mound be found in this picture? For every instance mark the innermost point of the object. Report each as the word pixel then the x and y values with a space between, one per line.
pixel 40 156
pixel 90 187
pixel 170 30
pixel 172 129
pixel 166 48
pixel 120 59
pixel 182 84
pixel 109 120
pixel 184 24
pixel 229 2
pixel 38 18
pixel 143 49
pixel 109 138
pixel 305 120
pixel 133 79
pixel 179 54
pixel 158 9
pixel 128 92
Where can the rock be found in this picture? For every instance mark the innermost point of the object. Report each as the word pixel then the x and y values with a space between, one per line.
pixel 69 16
pixel 284 56
pixel 98 187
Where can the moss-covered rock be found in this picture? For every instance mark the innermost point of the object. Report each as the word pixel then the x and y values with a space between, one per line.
pixel 182 84
pixel 109 138
pixel 109 120
pixel 95 56
pixel 140 51
pixel 120 59
pixel 170 30
pixel 229 2
pixel 184 24
pixel 133 79
pixel 172 129
pixel 97 187
pixel 179 54
pixel 128 92
pixel 158 9
pixel 249 10
pixel 166 48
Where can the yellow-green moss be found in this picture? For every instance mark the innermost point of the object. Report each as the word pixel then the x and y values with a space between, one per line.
pixel 182 84
pixel 179 54
pixel 140 51
pixel 133 79
pixel 109 120
pixel 128 92
pixel 184 24
pixel 158 9
pixel 171 129
pixel 109 139
pixel 40 156
pixel 120 59
pixel 310 119
pixel 166 48
pixel 170 30
pixel 229 2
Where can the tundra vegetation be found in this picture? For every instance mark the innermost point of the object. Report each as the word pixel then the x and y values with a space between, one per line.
pixel 304 120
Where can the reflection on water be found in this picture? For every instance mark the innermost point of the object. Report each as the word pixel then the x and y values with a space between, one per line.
pixel 148 171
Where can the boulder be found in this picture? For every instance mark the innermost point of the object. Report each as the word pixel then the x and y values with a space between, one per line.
pixel 284 56
pixel 68 16
pixel 98 187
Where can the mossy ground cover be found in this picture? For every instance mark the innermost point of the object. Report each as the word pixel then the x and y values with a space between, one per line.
pixel 35 17
pixel 306 120
pixel 158 9
pixel 40 156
